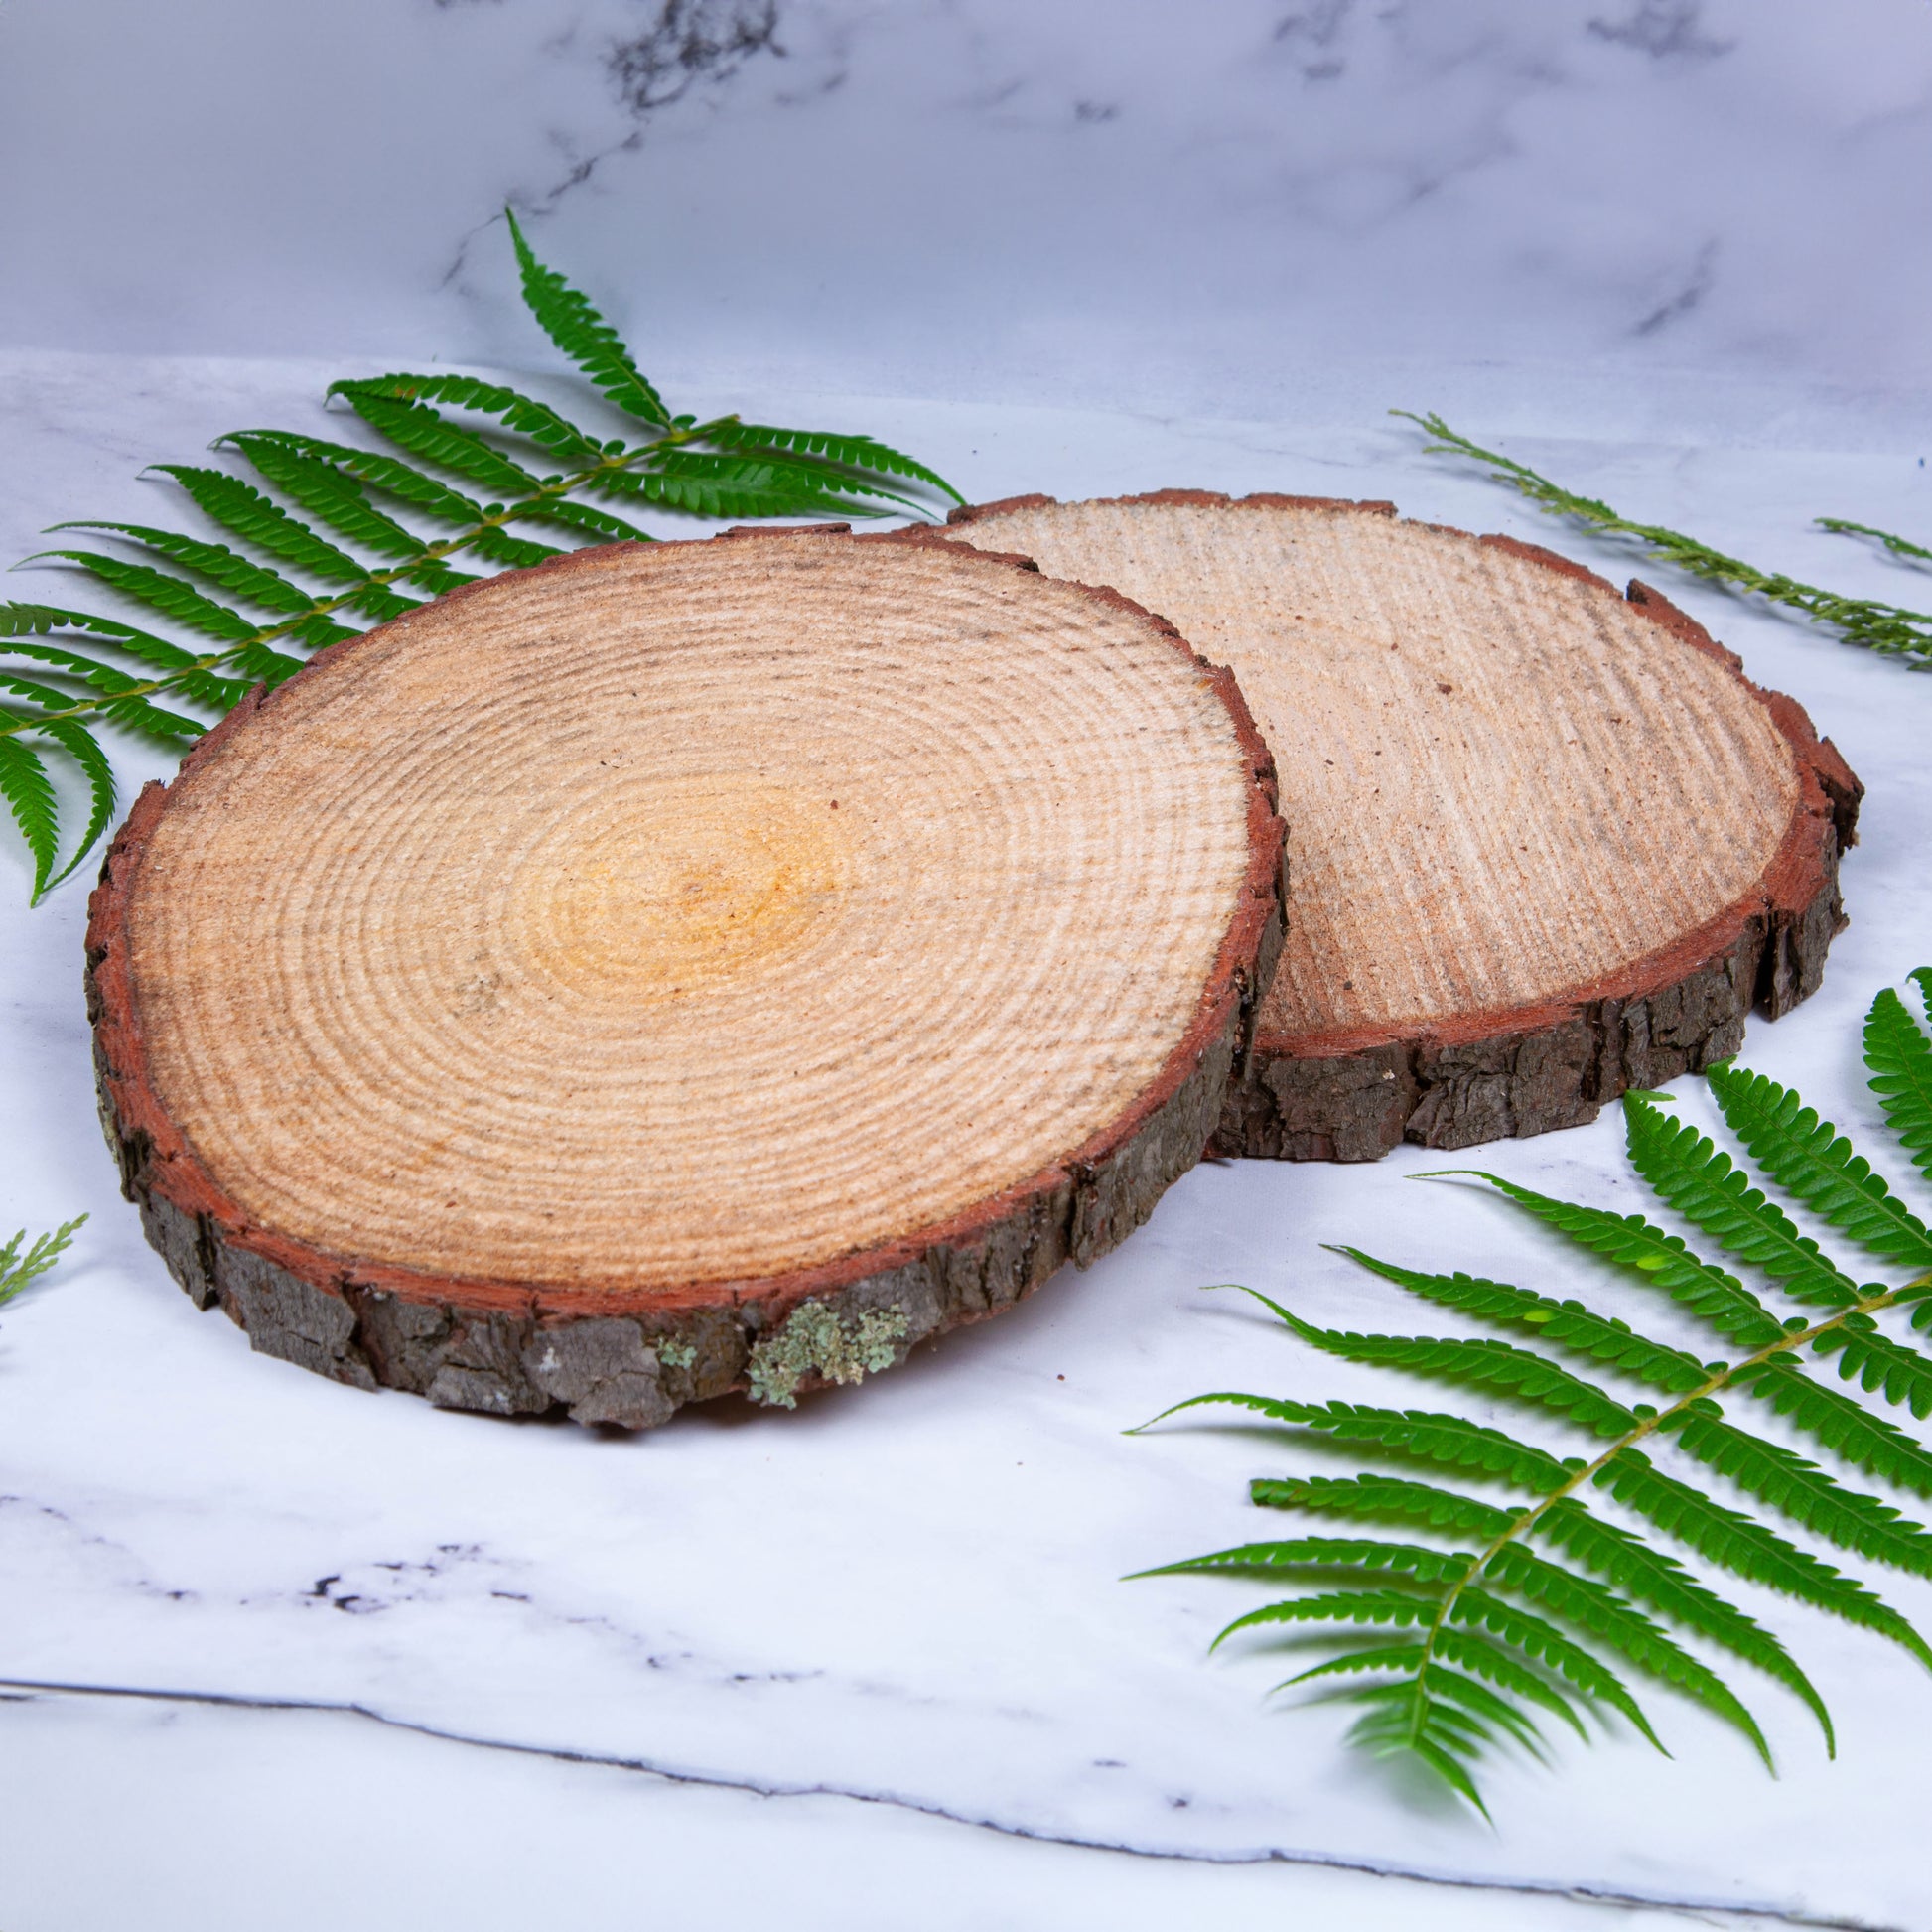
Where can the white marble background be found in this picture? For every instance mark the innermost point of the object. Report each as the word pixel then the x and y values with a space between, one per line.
pixel 429 1669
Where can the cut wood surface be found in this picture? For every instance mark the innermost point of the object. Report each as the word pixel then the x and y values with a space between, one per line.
pixel 1545 843
pixel 684 967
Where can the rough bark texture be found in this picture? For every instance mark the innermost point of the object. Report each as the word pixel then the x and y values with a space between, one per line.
pixel 1470 1073
pixel 1495 1077
pixel 613 1355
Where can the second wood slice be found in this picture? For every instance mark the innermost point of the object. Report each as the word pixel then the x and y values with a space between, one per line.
pixel 683 968
pixel 1546 842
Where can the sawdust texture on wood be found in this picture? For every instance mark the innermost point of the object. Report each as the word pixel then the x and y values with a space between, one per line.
pixel 684 967
pixel 1545 843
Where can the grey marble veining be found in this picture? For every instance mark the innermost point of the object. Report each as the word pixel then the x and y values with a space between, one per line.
pixel 1210 210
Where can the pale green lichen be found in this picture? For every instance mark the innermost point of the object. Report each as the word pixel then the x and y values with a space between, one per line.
pixel 676 1354
pixel 815 1341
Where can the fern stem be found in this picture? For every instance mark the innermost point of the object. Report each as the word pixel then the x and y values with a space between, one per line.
pixel 1719 1379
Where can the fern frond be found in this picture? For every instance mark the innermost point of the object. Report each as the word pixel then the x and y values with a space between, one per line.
pixel 1583 1602
pixel 1496 1365
pixel 269 449
pixel 1812 1161
pixel 1898 546
pixel 1846 1428
pixel 1878 625
pixel 260 521
pixel 518 412
pixel 856 453
pixel 1566 1323
pixel 1686 1169
pixel 581 519
pixel 1405 1718
pixel 332 497
pixel 583 334
pixel 215 561
pixel 804 480
pixel 1383 1499
pixel 1799 1489
pixel 124 704
pixel 1401 1608
pixel 1877 1363
pixel 744 491
pixel 496 546
pixel 417 428
pixel 1416 1560
pixel 1540 1640
pixel 172 597
pixel 17 1270
pixel 1654 1256
pixel 1430 1436
pixel 1656 1577
pixel 84 748
pixel 1899 1055
pixel 1740 1544
pixel 29 794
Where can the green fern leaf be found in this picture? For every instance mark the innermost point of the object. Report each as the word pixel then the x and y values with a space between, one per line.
pixel 1436 1709
pixel 1568 1324
pixel 25 621
pixel 852 452
pixel 1378 1606
pixel 34 691
pixel 29 794
pixel 95 675
pixel 215 561
pixel 262 664
pixel 582 520
pixel 1384 1499
pixel 1404 1719
pixel 1589 1604
pixel 1428 1435
pixel 1740 1544
pixel 1654 1577
pixel 1799 1489
pixel 692 494
pixel 1877 1362
pixel 333 499
pixel 1686 1169
pixel 519 413
pixel 84 748
pixel 1846 1428
pixel 270 449
pixel 583 334
pixel 1655 1257
pixel 1416 1560
pixel 515 553
pixel 1817 1165
pixel 806 480
pixel 1476 1611
pixel 1476 1364
pixel 260 521
pixel 415 427
pixel 1899 1055
pixel 18 1270
pixel 174 597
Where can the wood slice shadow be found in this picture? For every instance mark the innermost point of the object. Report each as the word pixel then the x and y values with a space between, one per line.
pixel 1545 843
pixel 684 967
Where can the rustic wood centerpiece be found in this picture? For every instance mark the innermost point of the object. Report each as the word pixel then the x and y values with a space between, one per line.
pixel 1547 842
pixel 684 968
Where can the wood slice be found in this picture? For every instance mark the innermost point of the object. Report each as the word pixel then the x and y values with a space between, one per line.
pixel 1545 843
pixel 683 968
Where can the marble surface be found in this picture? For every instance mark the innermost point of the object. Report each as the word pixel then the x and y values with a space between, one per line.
pixel 276 1650
pixel 903 1599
